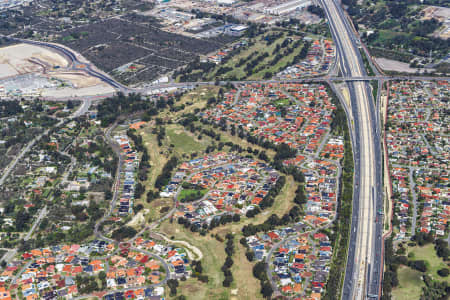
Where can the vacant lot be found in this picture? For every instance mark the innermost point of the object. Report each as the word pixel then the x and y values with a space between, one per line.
pixel 398 66
pixel 40 65
pixel 23 58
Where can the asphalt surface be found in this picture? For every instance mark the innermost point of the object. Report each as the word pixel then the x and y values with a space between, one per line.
pixel 42 213
pixel 364 263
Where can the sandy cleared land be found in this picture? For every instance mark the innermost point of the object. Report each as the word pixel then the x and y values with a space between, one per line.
pixel 78 79
pixel 71 92
pixel 21 56
pixel 7 70
pixel 398 66
pixel 442 14
pixel 24 59
pixel 138 220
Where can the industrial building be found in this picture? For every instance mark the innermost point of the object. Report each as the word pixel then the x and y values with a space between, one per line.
pixel 287 7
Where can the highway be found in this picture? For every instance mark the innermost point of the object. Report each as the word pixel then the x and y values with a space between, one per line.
pixel 364 263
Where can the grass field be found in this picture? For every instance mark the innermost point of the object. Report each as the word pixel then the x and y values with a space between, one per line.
pixel 194 99
pixel 158 155
pixel 184 141
pixel 245 285
pixel 282 102
pixel 157 208
pixel 410 286
pixel 410 282
pixel 186 193
pixel 428 254
pixel 213 259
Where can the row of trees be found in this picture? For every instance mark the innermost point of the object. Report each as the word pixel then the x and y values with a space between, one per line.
pixel 229 250
pixel 272 222
pixel 110 109
pixel 340 232
pixel 215 222
pixel 144 164
pixel 283 151
pixel 10 108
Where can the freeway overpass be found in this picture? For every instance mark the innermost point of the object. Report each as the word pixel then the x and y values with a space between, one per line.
pixel 364 262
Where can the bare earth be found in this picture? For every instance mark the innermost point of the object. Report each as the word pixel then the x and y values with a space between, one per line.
pixel 100 89
pixel 394 65
pixel 22 59
pixel 78 79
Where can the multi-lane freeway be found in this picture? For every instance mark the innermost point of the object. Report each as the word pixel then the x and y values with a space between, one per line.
pixel 362 278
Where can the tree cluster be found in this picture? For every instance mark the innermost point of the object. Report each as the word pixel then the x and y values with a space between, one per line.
pixel 163 178
pixel 198 270
pixel 259 272
pixel 229 250
pixel 123 232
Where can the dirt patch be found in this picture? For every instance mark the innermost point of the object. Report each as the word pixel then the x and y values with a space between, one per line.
pixel 137 220
pixel 193 252
pixel 397 66
pixel 78 79
pixel 8 70
pixel 100 89
pixel 24 58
